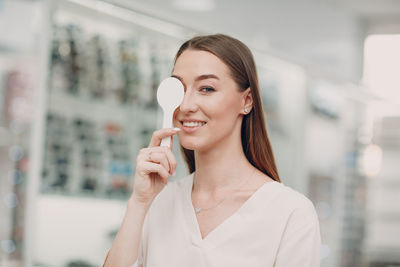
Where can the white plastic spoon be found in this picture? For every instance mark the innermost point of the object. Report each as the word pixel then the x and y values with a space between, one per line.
pixel 170 94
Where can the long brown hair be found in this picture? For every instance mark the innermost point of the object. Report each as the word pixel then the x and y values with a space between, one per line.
pixel 239 59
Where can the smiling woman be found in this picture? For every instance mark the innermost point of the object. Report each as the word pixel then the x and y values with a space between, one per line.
pixel 232 210
pixel 233 62
pixel 212 108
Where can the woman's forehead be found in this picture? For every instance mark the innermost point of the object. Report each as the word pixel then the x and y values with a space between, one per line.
pixel 200 62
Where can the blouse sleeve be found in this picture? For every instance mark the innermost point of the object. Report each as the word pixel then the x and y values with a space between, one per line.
pixel 301 241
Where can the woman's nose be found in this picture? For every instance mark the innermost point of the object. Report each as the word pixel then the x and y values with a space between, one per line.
pixel 188 103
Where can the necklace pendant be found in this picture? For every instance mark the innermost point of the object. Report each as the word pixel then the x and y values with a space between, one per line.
pixel 197 210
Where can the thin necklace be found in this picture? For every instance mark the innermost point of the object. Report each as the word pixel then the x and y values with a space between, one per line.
pixel 199 209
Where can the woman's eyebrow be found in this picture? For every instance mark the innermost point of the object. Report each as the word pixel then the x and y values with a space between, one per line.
pixel 199 78
pixel 206 76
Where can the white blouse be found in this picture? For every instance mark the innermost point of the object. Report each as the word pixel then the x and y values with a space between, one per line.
pixel 276 226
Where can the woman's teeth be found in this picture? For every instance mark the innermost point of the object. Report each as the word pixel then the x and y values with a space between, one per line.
pixel 193 124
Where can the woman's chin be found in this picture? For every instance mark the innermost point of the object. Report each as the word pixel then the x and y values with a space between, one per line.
pixel 191 145
pixel 197 147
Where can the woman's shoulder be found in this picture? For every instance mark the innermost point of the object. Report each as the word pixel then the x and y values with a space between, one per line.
pixel 279 192
pixel 282 199
pixel 293 197
pixel 293 202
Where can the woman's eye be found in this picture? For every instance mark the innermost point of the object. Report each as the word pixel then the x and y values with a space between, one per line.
pixel 206 89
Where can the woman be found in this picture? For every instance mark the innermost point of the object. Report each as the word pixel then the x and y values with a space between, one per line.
pixel 232 209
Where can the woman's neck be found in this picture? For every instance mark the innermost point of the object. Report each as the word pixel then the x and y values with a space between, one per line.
pixel 220 169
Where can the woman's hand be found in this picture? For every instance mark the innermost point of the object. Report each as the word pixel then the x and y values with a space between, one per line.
pixel 154 165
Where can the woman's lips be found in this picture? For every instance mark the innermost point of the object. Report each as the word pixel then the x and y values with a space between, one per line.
pixel 192 126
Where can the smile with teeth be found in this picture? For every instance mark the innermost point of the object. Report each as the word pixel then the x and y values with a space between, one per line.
pixel 193 123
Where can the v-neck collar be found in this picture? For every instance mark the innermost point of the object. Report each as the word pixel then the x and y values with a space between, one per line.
pixel 223 230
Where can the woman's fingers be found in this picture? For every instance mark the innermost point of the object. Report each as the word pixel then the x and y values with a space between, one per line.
pixel 159 135
pixel 162 155
pixel 156 159
pixel 171 160
pixel 150 167
pixel 161 158
pixel 154 165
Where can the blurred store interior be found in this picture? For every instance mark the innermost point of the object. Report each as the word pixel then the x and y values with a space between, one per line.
pixel 77 98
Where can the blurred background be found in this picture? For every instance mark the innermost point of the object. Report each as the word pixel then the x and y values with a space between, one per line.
pixel 77 101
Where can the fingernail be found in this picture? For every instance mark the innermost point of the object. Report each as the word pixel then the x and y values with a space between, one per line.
pixel 173 174
pixel 177 129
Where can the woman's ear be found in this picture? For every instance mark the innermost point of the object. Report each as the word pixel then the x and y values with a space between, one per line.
pixel 247 101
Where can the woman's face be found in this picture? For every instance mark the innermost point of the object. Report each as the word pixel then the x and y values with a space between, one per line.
pixel 212 106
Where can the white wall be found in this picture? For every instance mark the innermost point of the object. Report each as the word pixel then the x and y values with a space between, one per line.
pixel 69 228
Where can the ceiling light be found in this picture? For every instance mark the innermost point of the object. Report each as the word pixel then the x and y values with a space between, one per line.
pixel 371 160
pixel 194 5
